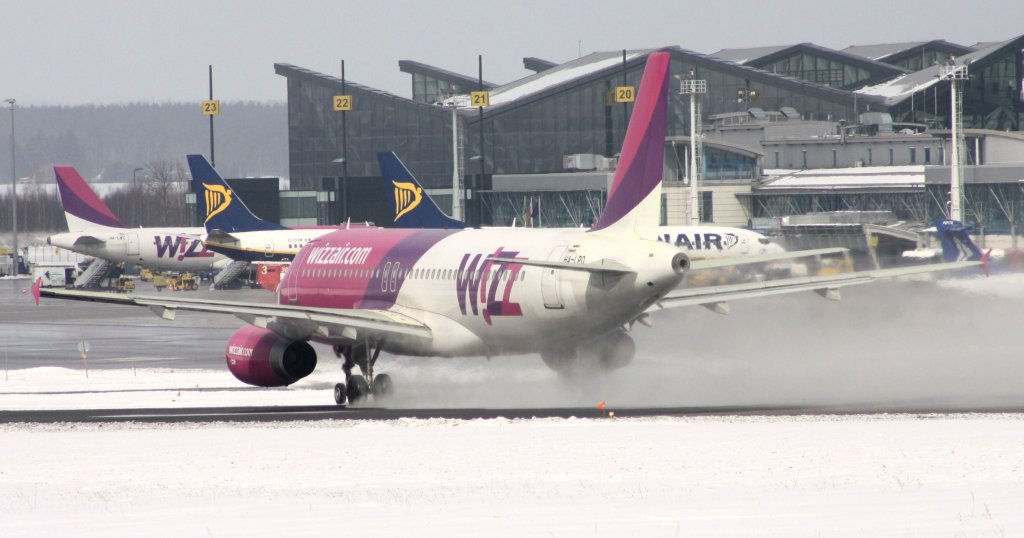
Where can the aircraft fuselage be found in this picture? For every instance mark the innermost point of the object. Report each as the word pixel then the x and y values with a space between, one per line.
pixel 475 306
pixel 172 249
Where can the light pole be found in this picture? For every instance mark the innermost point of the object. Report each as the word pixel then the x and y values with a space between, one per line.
pixel 694 88
pixel 955 73
pixel 344 184
pixel 14 194
pixel 135 197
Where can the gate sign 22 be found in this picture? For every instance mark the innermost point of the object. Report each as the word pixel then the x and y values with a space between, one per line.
pixel 342 103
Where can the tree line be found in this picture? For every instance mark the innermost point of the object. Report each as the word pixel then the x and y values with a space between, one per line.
pixel 157 198
pixel 107 142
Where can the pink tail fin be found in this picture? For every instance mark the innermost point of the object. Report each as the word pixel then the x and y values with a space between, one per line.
pixel 80 202
pixel 642 160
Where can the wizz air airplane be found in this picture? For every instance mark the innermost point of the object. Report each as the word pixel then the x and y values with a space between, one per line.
pixel 571 295
pixel 93 230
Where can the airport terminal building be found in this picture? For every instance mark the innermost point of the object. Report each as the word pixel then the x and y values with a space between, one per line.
pixel 872 123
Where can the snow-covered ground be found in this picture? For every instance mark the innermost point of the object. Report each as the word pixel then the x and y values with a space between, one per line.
pixel 752 476
pixel 889 475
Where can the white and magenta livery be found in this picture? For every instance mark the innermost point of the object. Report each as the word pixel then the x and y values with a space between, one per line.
pixel 93 230
pixel 570 295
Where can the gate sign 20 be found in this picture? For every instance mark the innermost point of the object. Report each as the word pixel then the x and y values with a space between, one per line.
pixel 625 94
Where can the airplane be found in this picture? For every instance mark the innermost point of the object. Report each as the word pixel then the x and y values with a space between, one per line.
pixel 415 209
pixel 232 230
pixel 93 230
pixel 571 295
pixel 956 244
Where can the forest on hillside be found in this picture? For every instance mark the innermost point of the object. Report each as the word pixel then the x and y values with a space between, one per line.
pixel 156 199
pixel 108 142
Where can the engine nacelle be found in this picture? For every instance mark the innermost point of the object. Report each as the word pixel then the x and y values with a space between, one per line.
pixel 613 351
pixel 602 355
pixel 262 358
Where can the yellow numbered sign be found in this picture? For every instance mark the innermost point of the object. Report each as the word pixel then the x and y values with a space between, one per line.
pixel 342 103
pixel 625 94
pixel 211 107
pixel 480 99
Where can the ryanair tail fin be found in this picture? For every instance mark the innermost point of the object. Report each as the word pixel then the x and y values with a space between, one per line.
pixel 634 199
pixel 217 203
pixel 413 207
pixel 83 209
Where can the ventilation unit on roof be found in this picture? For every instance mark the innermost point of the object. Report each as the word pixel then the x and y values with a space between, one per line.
pixel 587 162
pixel 757 113
pixel 790 113
pixel 876 122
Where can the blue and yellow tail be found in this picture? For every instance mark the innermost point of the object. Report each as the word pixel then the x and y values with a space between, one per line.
pixel 413 207
pixel 217 204
pixel 956 244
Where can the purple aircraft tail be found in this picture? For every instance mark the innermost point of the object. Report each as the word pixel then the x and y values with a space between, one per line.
pixel 83 209
pixel 634 198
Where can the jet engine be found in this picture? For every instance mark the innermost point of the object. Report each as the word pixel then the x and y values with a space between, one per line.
pixel 612 351
pixel 260 357
pixel 601 355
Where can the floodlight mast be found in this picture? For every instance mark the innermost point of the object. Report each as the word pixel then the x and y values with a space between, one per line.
pixel 693 88
pixel 955 73
pixel 454 102
pixel 14 195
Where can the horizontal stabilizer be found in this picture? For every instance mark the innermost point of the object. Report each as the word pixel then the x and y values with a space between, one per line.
pixel 84 240
pixel 220 237
pixel 745 260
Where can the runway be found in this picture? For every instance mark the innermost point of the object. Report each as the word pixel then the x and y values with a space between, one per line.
pixel 334 412
pixel 887 347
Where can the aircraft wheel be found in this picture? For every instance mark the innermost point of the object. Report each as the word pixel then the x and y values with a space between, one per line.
pixel 339 393
pixel 358 389
pixel 383 387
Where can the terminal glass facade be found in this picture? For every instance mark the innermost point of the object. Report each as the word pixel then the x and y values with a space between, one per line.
pixel 531 135
pixel 818 69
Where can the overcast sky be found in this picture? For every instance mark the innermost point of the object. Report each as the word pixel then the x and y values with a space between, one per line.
pixel 73 52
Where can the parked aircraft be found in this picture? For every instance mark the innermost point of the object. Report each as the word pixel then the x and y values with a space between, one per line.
pixel 93 230
pixel 232 230
pixel 569 294
pixel 415 209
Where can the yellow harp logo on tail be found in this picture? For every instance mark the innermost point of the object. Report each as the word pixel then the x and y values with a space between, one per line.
pixel 407 197
pixel 218 198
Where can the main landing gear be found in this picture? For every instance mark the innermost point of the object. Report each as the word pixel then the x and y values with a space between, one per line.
pixel 357 388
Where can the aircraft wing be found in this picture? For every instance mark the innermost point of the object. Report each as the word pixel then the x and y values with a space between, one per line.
pixel 295 322
pixel 716 297
pixel 744 260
